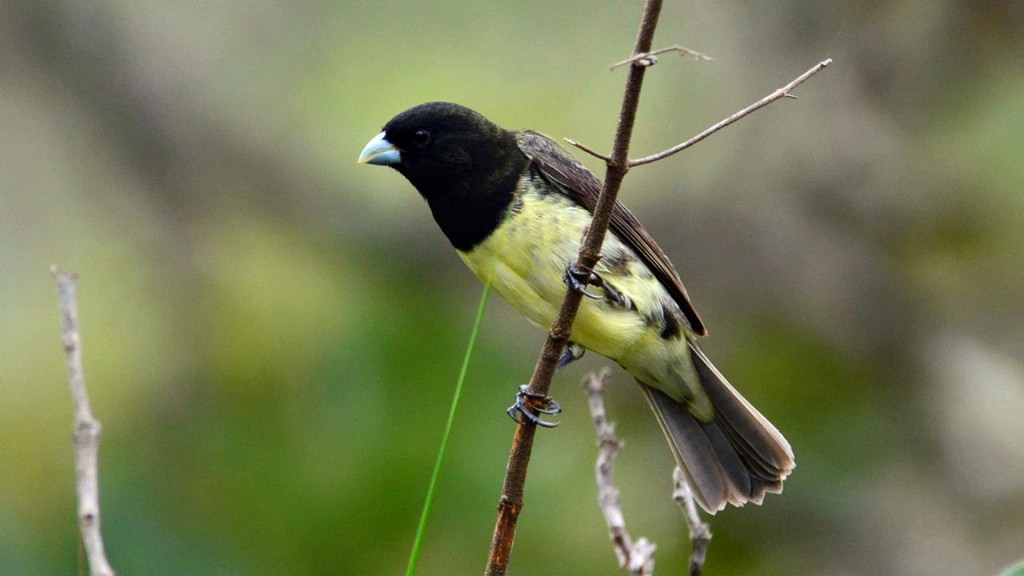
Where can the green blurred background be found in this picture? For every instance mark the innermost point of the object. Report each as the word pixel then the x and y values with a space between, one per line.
pixel 272 332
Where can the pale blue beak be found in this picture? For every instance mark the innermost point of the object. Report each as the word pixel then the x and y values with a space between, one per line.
pixel 381 152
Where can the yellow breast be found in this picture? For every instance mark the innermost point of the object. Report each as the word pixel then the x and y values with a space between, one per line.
pixel 525 259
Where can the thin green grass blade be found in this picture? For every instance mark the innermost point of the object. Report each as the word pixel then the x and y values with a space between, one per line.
pixel 417 545
pixel 1015 570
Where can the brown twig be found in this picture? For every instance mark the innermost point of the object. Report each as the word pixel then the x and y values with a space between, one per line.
pixel 783 92
pixel 87 428
pixel 511 501
pixel 700 532
pixel 636 557
pixel 617 165
pixel 651 58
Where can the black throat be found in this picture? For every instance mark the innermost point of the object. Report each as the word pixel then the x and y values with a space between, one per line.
pixel 471 203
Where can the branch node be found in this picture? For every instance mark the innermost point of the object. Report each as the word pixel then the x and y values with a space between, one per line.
pixel 647 59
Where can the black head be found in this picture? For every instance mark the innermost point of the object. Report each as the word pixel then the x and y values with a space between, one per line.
pixel 462 163
pixel 437 144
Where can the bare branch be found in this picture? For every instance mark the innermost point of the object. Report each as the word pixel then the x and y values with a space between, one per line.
pixel 700 532
pixel 511 501
pixel 636 557
pixel 589 150
pixel 87 428
pixel 783 92
pixel 651 58
pixel 618 164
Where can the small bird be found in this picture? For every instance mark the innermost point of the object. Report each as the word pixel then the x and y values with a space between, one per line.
pixel 515 205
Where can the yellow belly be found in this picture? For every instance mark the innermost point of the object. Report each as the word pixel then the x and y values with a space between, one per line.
pixel 525 260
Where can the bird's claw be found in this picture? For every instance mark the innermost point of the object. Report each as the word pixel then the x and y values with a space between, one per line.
pixel 579 278
pixel 573 352
pixel 530 405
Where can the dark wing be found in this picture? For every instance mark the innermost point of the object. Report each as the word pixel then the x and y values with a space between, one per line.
pixel 581 185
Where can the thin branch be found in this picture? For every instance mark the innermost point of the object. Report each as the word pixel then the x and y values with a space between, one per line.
pixel 589 150
pixel 87 428
pixel 783 92
pixel 511 501
pixel 651 58
pixel 636 557
pixel 700 532
pixel 618 164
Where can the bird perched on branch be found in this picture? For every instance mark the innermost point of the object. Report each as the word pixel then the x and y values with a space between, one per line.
pixel 514 205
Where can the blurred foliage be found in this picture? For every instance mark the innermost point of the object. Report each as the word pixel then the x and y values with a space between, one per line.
pixel 272 333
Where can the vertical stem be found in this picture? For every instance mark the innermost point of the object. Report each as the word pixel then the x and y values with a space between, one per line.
pixel 87 428
pixel 511 502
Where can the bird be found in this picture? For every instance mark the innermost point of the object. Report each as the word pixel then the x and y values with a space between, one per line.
pixel 515 205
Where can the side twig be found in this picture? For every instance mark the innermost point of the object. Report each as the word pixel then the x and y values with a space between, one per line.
pixel 784 92
pixel 700 532
pixel 589 150
pixel 636 557
pixel 87 428
pixel 511 501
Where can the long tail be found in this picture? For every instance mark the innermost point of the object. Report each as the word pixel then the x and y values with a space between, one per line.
pixel 734 459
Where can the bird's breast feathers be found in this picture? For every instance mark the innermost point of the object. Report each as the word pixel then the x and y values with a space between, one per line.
pixel 524 260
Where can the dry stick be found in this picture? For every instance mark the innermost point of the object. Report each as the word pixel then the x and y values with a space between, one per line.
pixel 618 164
pixel 511 501
pixel 87 428
pixel 783 92
pixel 636 557
pixel 700 532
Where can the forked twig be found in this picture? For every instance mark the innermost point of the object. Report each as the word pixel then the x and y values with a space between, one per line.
pixel 617 165
pixel 784 92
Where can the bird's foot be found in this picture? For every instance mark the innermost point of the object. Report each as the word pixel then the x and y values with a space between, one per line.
pixel 531 406
pixel 578 278
pixel 573 352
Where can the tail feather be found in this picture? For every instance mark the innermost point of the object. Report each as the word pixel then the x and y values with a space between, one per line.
pixel 737 457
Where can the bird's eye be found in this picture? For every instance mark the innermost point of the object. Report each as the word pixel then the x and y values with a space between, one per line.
pixel 421 138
